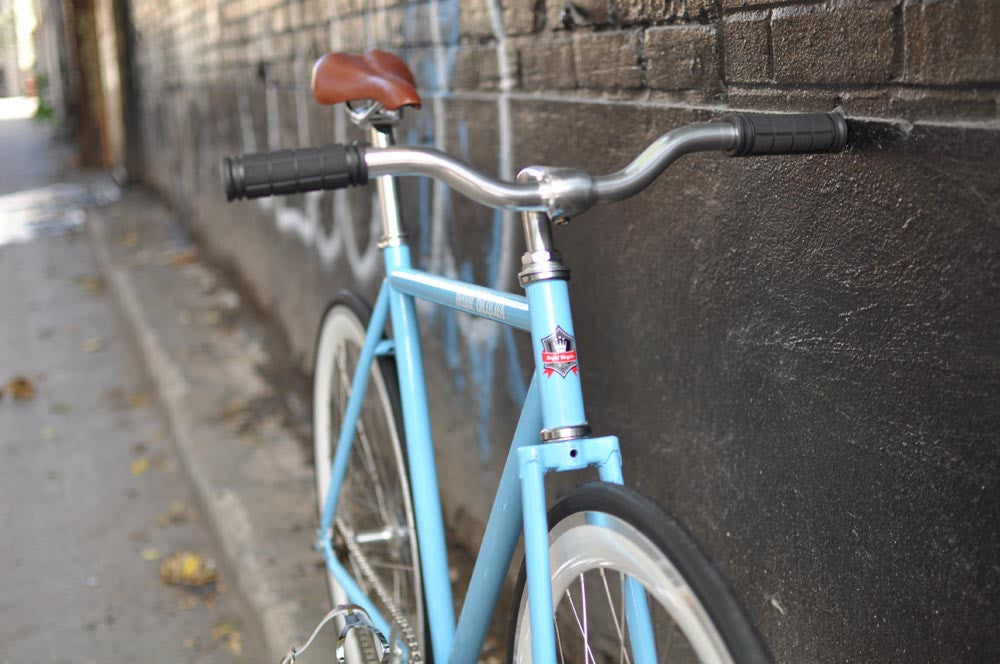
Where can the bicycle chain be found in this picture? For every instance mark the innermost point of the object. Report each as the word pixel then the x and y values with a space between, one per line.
pixel 394 612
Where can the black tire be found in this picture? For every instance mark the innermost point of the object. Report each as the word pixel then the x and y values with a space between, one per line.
pixel 663 536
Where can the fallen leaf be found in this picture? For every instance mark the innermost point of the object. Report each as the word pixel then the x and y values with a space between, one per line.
pixel 162 462
pixel 61 408
pixel 234 407
pixel 186 568
pixel 139 448
pixel 151 554
pixel 212 317
pixel 93 285
pixel 177 512
pixel 140 466
pixel 188 602
pixel 1 393
pixel 93 345
pixel 185 257
pixel 48 433
pixel 137 400
pixel 21 388
pixel 228 632
pixel 129 239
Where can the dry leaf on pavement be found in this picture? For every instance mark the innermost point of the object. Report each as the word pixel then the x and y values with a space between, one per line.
pixel 177 512
pixel 162 462
pixel 228 632
pixel 186 568
pixel 151 554
pixel 212 317
pixel 93 345
pixel 93 285
pixel 139 466
pixel 185 257
pixel 188 601
pixel 130 239
pixel 137 400
pixel 21 388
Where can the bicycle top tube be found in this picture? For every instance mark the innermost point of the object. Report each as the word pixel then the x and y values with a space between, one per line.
pixel 561 192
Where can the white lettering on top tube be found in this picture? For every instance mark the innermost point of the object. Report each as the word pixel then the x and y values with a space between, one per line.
pixel 481 306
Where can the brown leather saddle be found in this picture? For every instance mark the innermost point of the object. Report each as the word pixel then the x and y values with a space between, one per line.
pixel 378 75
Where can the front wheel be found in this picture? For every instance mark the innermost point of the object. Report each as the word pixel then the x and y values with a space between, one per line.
pixel 599 535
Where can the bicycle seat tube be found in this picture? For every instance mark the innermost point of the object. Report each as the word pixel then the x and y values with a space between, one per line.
pixel 417 426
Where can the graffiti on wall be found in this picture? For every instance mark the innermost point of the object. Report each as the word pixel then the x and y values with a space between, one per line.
pixel 471 345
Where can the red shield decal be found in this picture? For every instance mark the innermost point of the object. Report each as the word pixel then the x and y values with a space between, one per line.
pixel 559 353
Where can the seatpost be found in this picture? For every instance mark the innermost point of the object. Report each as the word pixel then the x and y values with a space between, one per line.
pixel 382 136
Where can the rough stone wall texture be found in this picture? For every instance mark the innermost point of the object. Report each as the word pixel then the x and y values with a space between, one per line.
pixel 800 353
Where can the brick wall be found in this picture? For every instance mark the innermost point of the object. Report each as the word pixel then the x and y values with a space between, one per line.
pixel 799 353
pixel 908 60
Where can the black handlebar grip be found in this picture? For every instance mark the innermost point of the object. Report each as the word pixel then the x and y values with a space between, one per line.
pixel 293 171
pixel 787 133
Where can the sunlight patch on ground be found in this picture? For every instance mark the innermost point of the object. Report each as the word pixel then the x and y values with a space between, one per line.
pixel 51 210
pixel 17 108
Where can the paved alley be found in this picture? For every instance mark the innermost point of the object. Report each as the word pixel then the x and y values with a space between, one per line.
pixel 105 558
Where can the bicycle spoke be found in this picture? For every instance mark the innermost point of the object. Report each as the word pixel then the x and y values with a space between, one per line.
pixel 362 438
pixel 562 653
pixel 583 605
pixel 370 467
pixel 587 654
pixel 620 628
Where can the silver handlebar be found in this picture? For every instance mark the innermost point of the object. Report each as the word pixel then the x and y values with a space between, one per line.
pixel 561 192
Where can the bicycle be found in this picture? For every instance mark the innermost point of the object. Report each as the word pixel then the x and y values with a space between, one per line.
pixel 381 529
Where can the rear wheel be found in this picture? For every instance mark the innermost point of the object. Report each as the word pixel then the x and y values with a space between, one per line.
pixel 374 533
pixel 600 534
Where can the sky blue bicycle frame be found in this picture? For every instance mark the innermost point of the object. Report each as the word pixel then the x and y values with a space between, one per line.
pixel 551 436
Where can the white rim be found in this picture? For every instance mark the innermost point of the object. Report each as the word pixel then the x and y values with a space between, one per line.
pixel 340 325
pixel 577 545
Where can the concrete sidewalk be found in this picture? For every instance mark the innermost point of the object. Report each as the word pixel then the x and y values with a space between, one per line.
pixel 92 500
pixel 242 441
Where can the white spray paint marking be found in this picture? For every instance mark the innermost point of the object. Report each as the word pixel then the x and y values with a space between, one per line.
pixel 306 223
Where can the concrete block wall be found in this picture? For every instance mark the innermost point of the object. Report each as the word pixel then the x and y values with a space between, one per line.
pixel 799 353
